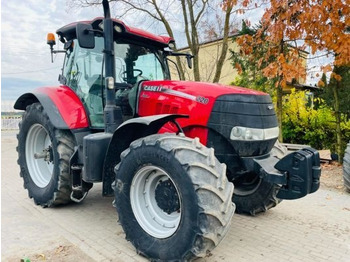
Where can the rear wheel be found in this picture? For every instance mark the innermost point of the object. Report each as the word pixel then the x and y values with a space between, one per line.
pixel 172 197
pixel 252 194
pixel 43 156
pixel 346 168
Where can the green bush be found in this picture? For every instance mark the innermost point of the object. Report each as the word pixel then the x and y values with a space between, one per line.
pixel 303 124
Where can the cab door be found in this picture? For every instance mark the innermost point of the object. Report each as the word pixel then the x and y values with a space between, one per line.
pixel 83 73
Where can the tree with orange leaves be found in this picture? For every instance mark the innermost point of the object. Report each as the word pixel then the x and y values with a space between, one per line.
pixel 320 25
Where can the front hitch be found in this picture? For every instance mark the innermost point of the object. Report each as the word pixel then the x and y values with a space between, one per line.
pixel 298 173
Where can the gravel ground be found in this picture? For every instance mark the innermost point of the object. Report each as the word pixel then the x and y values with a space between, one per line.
pixel 314 228
pixel 332 177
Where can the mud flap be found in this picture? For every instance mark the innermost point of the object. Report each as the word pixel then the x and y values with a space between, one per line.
pixel 302 170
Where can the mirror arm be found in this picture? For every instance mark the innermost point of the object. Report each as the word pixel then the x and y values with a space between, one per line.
pixel 187 55
pixel 58 51
pixel 170 53
pixel 55 52
pixel 95 31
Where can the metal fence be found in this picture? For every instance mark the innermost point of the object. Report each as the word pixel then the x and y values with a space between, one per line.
pixel 10 122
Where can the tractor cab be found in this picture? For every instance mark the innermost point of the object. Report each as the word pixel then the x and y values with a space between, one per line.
pixel 83 72
pixel 138 56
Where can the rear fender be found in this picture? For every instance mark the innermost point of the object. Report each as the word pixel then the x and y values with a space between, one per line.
pixel 126 133
pixel 61 104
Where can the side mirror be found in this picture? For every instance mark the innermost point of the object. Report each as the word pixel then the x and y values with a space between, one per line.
pixel 189 60
pixel 85 36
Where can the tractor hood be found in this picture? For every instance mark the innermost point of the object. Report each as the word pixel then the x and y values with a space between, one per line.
pixel 242 117
pixel 196 90
pixel 196 99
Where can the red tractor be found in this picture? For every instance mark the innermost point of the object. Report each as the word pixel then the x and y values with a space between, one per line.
pixel 119 119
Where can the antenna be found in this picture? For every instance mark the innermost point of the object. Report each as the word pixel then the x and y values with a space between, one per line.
pixel 106 9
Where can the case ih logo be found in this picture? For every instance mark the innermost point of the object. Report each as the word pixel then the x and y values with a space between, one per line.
pixel 199 99
pixel 153 88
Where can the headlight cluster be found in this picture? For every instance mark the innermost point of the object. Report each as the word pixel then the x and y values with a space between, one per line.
pixel 240 133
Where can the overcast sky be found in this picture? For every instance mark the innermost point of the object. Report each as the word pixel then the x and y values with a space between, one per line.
pixel 25 56
pixel 25 60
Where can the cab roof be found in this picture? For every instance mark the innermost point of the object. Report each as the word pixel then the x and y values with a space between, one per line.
pixel 68 32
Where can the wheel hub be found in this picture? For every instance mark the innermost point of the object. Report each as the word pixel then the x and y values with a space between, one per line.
pixel 155 201
pixel 46 155
pixel 166 197
pixel 39 155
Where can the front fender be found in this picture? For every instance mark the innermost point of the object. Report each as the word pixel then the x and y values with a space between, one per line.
pixel 61 104
pixel 126 133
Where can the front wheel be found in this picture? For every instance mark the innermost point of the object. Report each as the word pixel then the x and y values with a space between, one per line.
pixel 252 194
pixel 172 197
pixel 43 156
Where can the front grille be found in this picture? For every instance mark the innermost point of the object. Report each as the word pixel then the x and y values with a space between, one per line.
pixel 254 111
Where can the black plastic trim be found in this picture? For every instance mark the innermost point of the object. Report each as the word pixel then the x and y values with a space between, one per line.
pixel 253 111
pixel 49 107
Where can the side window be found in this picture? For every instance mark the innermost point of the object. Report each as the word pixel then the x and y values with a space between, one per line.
pixel 83 73
pixel 68 72
pixel 120 52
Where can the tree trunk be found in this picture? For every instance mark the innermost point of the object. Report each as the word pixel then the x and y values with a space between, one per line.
pixel 196 73
pixel 171 34
pixel 338 146
pixel 194 41
pixel 224 48
pixel 279 110
pixel 191 35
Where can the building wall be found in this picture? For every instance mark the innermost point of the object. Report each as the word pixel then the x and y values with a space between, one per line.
pixel 208 55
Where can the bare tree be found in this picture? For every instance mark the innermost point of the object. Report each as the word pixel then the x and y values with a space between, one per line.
pixel 170 14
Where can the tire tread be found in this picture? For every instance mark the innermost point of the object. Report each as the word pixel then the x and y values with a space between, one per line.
pixel 201 165
pixel 65 148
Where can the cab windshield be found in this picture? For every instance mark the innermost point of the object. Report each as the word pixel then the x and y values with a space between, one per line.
pixel 133 61
pixel 83 71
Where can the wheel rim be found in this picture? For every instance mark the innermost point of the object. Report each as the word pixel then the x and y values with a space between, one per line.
pixel 155 221
pixel 39 155
pixel 246 184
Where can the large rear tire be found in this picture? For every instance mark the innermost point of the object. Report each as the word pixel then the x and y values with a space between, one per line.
pixel 172 197
pixel 346 168
pixel 43 156
pixel 252 194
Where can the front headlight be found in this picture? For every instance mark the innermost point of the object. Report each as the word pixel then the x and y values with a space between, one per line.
pixel 240 133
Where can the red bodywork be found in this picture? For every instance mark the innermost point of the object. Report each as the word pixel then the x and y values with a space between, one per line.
pixel 132 31
pixel 195 99
pixel 68 104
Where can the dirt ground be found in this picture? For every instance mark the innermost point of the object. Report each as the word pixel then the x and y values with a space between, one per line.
pixel 332 177
pixel 63 253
